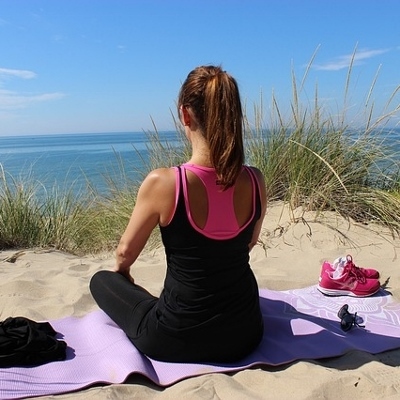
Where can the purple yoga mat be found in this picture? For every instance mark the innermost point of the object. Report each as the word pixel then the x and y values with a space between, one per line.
pixel 299 324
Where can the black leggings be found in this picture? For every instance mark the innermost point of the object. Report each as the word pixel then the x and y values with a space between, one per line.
pixel 134 309
pixel 130 306
pixel 125 303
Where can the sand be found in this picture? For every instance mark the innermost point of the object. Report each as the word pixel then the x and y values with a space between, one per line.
pixel 47 285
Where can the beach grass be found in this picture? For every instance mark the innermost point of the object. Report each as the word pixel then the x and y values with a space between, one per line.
pixel 309 159
pixel 313 160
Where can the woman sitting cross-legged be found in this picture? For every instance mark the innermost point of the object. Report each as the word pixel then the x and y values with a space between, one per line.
pixel 209 211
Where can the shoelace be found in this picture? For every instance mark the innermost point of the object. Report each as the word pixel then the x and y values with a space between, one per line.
pixel 353 270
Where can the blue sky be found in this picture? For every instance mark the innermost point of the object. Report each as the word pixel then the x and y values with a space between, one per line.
pixel 79 66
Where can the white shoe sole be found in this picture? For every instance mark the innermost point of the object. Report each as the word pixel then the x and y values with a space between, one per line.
pixel 339 292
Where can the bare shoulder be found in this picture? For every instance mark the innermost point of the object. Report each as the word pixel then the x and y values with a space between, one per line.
pixel 157 193
pixel 159 180
pixel 261 184
pixel 161 174
pixel 259 175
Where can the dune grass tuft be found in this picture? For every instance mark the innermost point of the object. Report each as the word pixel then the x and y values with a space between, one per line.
pixel 312 160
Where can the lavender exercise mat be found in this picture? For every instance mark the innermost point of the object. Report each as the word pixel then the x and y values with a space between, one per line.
pixel 299 324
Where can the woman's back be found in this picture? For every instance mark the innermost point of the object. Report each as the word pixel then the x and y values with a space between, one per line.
pixel 209 292
pixel 199 199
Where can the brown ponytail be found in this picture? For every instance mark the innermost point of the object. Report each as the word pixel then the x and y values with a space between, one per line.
pixel 213 96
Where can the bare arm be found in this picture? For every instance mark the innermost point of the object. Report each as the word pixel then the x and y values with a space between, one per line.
pixel 263 197
pixel 154 204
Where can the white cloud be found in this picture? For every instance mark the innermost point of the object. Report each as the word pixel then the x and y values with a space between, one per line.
pixel 121 48
pixel 344 61
pixel 10 100
pixel 17 73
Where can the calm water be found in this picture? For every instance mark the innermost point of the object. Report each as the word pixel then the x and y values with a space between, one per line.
pixel 70 160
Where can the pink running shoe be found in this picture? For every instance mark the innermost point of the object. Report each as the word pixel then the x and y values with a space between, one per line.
pixel 349 282
pixel 341 262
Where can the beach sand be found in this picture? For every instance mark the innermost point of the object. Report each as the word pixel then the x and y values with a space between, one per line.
pixel 47 285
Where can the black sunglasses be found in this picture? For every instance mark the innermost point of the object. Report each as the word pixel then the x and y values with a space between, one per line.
pixel 348 320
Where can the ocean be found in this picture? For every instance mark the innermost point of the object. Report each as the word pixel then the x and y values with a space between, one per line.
pixel 70 161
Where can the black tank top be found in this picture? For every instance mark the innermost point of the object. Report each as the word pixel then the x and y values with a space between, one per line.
pixel 209 283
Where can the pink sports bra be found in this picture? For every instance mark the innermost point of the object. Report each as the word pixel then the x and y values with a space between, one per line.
pixel 221 220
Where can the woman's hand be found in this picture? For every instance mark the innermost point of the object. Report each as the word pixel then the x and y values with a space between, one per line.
pixel 125 273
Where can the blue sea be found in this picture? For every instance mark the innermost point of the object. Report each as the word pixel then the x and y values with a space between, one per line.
pixel 72 160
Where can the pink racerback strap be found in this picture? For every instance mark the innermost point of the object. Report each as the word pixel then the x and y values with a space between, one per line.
pixel 221 220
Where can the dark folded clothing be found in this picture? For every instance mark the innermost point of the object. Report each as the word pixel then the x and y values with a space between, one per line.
pixel 24 342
